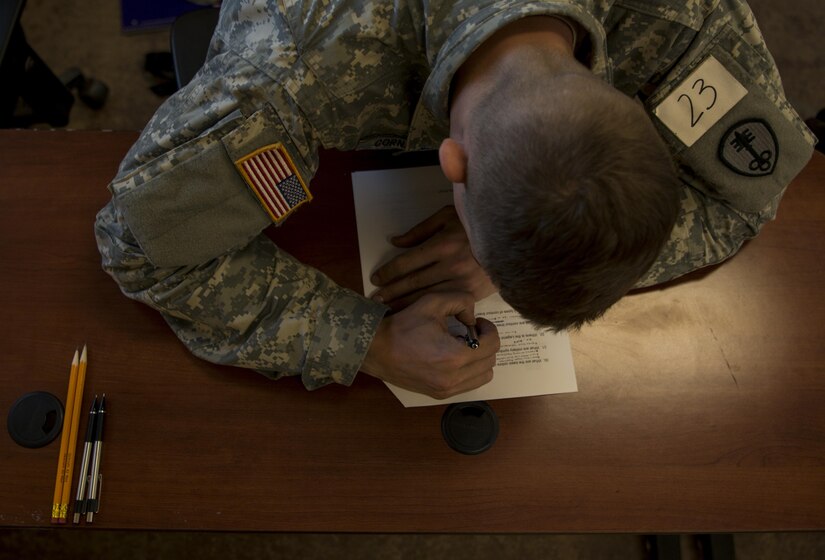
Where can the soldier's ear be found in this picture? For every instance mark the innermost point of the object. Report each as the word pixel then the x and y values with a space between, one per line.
pixel 453 160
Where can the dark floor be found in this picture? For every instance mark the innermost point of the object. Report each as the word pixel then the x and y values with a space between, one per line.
pixel 139 545
pixel 86 33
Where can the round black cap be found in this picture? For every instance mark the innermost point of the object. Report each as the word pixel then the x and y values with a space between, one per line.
pixel 470 427
pixel 35 419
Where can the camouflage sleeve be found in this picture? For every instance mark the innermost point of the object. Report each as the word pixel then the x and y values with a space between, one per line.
pixel 735 172
pixel 706 232
pixel 182 232
pixel 254 307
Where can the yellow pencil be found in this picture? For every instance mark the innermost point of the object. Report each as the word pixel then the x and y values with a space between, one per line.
pixel 76 410
pixel 64 441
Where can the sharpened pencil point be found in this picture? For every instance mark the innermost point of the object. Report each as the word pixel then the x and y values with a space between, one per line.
pixel 63 476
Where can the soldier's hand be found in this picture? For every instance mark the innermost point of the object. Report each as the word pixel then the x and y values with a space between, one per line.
pixel 439 259
pixel 414 349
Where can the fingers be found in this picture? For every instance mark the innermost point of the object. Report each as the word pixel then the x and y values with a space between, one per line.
pixel 446 255
pixel 427 247
pixel 432 266
pixel 484 341
pixel 476 367
pixel 408 264
pixel 461 305
pixel 416 350
pixel 439 277
pixel 439 258
pixel 425 229
pixel 488 338
pixel 460 369
pixel 472 376
pixel 448 304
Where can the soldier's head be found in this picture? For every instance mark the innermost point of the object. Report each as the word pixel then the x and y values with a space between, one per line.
pixel 567 192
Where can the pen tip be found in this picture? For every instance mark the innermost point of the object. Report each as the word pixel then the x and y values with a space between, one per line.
pixel 83 355
pixel 76 357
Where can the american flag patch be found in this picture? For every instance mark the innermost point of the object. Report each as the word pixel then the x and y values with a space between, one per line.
pixel 272 176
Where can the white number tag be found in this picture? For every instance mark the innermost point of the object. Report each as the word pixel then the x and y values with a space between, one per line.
pixel 698 103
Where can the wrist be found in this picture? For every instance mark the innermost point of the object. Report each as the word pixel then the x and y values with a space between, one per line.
pixel 374 358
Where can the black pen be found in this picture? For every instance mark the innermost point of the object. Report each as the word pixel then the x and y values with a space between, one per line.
pixel 471 338
pixel 96 479
pixel 80 499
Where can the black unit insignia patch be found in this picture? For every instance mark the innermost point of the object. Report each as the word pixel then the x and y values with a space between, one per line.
pixel 750 148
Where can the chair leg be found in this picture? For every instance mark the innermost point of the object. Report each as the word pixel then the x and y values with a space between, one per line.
pixel 40 96
pixel 689 547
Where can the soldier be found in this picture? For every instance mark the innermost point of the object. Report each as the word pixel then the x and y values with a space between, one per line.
pixel 594 146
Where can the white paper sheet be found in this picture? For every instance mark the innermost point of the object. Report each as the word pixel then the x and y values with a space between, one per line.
pixel 530 361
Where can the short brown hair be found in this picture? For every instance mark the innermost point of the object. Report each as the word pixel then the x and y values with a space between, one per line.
pixel 570 197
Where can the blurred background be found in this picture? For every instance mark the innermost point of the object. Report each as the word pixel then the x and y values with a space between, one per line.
pixel 108 41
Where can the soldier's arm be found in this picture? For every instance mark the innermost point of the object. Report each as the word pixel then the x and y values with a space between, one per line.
pixel 182 232
pixel 735 139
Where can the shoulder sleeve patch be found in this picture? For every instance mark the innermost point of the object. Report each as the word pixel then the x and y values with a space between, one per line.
pixel 750 148
pixel 740 150
pixel 272 176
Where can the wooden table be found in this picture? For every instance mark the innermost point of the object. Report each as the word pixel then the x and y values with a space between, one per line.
pixel 700 406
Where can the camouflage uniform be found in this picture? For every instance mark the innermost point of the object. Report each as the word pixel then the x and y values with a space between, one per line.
pixel 183 232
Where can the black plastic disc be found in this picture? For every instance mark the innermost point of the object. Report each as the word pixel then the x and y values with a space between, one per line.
pixel 470 427
pixel 35 419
